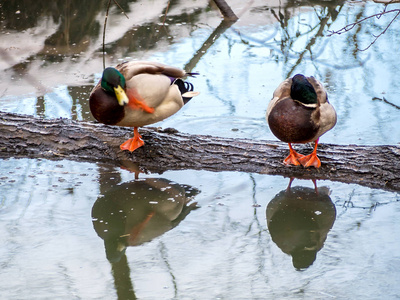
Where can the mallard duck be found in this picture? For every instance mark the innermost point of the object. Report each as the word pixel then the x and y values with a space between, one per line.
pixel 299 220
pixel 142 211
pixel 139 93
pixel 300 112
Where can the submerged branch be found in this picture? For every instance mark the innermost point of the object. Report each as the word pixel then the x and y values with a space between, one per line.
pixel 214 36
pixel 226 10
pixel 26 136
pixel 386 101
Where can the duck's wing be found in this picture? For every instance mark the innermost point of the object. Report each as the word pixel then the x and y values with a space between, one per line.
pixel 281 92
pixel 322 96
pixel 325 115
pixel 133 68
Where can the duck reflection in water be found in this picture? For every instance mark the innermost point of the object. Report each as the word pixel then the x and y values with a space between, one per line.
pixel 299 219
pixel 136 212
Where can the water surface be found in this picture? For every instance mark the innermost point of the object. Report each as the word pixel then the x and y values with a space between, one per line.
pixel 75 230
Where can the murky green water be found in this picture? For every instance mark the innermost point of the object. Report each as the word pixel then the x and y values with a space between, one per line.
pixel 90 231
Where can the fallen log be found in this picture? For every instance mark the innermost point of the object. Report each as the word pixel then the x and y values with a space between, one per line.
pixel 168 149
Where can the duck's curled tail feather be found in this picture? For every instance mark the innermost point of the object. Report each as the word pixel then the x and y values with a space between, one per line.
pixel 186 89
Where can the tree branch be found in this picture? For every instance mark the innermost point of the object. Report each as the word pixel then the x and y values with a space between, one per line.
pixel 26 136
pixel 350 26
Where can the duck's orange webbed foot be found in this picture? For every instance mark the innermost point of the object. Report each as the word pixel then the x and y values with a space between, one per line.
pixel 136 102
pixel 312 159
pixel 133 143
pixel 293 157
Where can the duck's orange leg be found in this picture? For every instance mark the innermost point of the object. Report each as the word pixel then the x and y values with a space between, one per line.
pixel 136 101
pixel 293 157
pixel 133 143
pixel 136 230
pixel 312 159
pixel 315 185
pixel 290 184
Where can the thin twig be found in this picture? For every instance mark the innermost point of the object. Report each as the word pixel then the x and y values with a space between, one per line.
pixel 115 1
pixel 376 37
pixel 166 12
pixel 386 101
pixel 104 34
pixel 105 25
pixel 349 27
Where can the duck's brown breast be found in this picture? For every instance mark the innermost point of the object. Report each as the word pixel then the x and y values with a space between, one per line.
pixel 292 122
pixel 105 107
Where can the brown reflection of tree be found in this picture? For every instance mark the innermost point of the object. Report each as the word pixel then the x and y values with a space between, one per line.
pixel 23 14
pixel 40 106
pixel 147 36
pixel 222 27
pixel 257 228
pixel 76 19
pixel 76 25
pixel 327 13
pixel 79 96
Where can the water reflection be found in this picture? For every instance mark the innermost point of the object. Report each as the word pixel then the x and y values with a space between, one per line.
pixel 136 212
pixel 44 47
pixel 59 46
pixel 299 219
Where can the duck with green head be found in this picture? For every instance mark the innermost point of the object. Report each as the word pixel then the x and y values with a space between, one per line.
pixel 139 93
pixel 300 112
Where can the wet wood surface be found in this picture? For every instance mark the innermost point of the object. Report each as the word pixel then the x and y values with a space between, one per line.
pixel 31 137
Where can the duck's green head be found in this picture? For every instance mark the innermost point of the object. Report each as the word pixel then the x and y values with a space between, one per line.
pixel 113 82
pixel 302 90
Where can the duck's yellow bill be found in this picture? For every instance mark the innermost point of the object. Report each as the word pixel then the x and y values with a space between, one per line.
pixel 121 96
